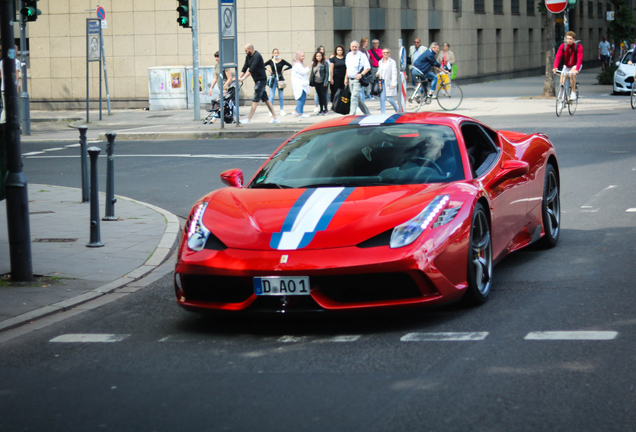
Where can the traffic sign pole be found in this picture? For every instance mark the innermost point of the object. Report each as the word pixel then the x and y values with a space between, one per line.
pixel 101 14
pixel 26 104
pixel 195 62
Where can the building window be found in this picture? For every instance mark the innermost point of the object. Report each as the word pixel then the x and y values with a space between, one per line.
pixel 590 9
pixel 514 7
pixel 498 6
pixel 338 2
pixel 456 5
pixel 530 7
pixel 600 10
pixel 580 6
pixel 374 3
pixel 431 4
pixel 480 6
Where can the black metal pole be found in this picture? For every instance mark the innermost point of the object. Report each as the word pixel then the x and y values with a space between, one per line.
pixel 96 241
pixel 26 110
pixel 110 178
pixel 84 162
pixel 16 187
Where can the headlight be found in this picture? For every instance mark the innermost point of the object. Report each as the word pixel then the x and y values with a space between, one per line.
pixel 620 73
pixel 197 232
pixel 408 232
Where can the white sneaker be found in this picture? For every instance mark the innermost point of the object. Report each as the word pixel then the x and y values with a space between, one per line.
pixel 245 121
pixel 270 113
pixel 573 96
pixel 304 116
pixel 274 121
pixel 295 114
pixel 316 109
pixel 283 113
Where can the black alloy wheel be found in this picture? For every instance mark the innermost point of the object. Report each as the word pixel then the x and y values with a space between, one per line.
pixel 479 258
pixel 551 208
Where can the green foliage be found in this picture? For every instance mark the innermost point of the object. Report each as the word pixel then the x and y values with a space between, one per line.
pixel 607 76
pixel 621 28
pixel 541 7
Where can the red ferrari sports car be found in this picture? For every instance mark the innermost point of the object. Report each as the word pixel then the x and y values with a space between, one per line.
pixel 370 212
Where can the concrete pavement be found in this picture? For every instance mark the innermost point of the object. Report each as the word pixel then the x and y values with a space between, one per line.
pixel 143 237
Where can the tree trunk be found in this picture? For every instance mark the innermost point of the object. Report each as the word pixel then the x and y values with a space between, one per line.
pixel 548 43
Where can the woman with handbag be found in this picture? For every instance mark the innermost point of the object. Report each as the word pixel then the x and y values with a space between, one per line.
pixel 319 80
pixel 446 58
pixel 276 80
pixel 387 78
pixel 300 83
pixel 321 50
pixel 338 69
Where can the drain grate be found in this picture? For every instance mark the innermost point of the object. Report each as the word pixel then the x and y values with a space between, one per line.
pixel 55 240
pixel 41 212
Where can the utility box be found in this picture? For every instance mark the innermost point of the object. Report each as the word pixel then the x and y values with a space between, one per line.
pixel 206 75
pixel 167 88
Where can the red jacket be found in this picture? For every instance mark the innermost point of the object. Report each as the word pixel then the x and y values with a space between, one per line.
pixel 568 58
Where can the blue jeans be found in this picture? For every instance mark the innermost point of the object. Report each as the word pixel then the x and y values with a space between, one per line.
pixel 432 77
pixel 384 98
pixel 272 94
pixel 300 105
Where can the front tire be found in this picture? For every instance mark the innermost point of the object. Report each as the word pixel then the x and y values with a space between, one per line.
pixel 633 95
pixel 551 208
pixel 479 275
pixel 560 101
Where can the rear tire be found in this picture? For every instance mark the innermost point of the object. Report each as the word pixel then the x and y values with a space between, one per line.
pixel 551 208
pixel 572 104
pixel 479 274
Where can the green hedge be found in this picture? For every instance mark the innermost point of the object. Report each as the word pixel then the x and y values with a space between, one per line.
pixel 607 76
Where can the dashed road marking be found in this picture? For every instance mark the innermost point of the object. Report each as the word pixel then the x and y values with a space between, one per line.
pixel 571 335
pixel 88 337
pixel 631 210
pixel 445 336
pixel 33 153
pixel 344 338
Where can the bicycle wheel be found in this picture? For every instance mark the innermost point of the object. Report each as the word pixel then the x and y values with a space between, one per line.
pixel 572 104
pixel 415 101
pixel 559 101
pixel 633 97
pixel 449 96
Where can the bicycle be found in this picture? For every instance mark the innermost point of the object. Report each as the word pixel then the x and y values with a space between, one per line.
pixel 449 96
pixel 561 100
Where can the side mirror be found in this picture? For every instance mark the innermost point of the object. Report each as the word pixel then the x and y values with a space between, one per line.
pixel 511 169
pixel 233 177
pixel 618 64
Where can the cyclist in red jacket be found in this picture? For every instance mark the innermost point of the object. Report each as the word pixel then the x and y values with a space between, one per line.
pixel 572 54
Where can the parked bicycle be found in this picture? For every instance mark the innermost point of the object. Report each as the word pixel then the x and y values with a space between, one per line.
pixel 449 95
pixel 564 96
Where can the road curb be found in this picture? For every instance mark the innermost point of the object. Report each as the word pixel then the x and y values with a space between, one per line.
pixel 135 277
pixel 145 136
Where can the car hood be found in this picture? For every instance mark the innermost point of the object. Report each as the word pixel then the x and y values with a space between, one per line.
pixel 290 219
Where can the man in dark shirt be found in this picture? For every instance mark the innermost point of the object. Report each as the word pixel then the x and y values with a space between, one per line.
pixel 255 67
pixel 423 66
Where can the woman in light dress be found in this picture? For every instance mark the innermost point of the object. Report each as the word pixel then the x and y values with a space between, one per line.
pixel 387 71
pixel 300 83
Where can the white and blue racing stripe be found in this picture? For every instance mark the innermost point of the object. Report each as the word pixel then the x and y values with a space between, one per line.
pixel 312 212
pixel 375 119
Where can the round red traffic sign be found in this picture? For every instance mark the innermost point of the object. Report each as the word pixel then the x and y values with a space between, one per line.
pixel 101 12
pixel 556 6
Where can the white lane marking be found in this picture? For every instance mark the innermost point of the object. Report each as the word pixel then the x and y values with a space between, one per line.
pixel 444 336
pixel 343 338
pixel 73 145
pixel 631 210
pixel 287 339
pixel 571 335
pixel 87 337
pixel 592 205
pixel 53 149
pixel 212 156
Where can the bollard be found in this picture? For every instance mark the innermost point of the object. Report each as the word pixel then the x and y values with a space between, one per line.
pixel 96 241
pixel 84 158
pixel 110 178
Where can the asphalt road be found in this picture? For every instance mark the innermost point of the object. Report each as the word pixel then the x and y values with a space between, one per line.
pixel 171 370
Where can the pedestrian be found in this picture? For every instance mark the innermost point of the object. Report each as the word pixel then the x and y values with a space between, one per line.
pixel 3 116
pixel 415 51
pixel 300 83
pixel 220 74
pixel 277 66
pixel 357 66
pixel 364 48
pixel 604 48
pixel 387 72
pixel 319 79
pixel 375 55
pixel 446 58
pixel 320 49
pixel 255 67
pixel 424 68
pixel 338 70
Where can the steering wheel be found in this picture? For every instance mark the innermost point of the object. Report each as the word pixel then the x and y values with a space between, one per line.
pixel 421 161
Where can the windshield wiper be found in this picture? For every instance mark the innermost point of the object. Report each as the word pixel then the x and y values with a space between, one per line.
pixel 269 186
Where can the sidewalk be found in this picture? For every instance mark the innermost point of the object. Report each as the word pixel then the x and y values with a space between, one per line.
pixel 74 274
pixel 506 97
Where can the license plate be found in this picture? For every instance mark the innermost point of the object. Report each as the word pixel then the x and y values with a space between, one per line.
pixel 281 285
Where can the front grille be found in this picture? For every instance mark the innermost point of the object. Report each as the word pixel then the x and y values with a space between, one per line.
pixel 367 287
pixel 217 289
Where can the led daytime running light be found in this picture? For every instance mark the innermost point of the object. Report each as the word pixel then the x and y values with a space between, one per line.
pixel 197 233
pixel 409 231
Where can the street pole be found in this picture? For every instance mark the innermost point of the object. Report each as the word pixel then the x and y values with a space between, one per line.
pixel 195 61
pixel 105 72
pixel 26 109
pixel 16 186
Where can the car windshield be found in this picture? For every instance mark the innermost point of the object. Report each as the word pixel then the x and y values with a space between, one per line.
pixel 365 156
pixel 626 57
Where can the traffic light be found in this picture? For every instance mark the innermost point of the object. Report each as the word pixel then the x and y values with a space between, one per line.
pixel 184 16
pixel 30 10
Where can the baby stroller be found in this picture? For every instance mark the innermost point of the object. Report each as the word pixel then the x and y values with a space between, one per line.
pixel 229 107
